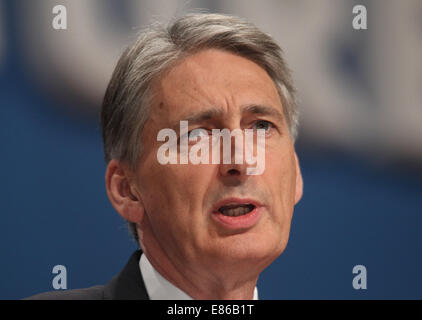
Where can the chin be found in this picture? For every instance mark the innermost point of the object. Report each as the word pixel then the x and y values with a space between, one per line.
pixel 251 249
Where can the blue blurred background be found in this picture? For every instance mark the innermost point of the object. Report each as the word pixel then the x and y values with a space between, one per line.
pixel 360 143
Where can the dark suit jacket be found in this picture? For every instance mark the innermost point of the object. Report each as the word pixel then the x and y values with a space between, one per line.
pixel 127 285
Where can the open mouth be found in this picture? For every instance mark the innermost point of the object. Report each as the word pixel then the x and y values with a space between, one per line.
pixel 236 209
pixel 237 214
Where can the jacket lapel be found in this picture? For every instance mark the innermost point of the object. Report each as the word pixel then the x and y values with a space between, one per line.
pixel 128 284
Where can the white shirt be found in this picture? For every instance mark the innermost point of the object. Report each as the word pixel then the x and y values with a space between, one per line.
pixel 159 288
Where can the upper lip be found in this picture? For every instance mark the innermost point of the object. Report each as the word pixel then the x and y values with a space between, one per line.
pixel 235 201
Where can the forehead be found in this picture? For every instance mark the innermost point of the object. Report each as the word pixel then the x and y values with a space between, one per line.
pixel 212 78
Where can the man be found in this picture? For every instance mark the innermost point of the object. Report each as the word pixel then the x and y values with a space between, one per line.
pixel 207 230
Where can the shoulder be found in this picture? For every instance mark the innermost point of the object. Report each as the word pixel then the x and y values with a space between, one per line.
pixel 127 285
pixel 91 293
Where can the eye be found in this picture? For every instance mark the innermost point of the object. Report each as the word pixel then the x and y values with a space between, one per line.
pixel 263 124
pixel 196 135
pixel 199 132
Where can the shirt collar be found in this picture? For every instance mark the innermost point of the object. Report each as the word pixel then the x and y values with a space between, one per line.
pixel 159 288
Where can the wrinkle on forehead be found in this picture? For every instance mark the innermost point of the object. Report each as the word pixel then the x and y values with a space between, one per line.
pixel 216 78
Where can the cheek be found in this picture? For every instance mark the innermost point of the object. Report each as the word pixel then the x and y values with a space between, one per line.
pixel 186 182
pixel 175 191
pixel 175 206
pixel 281 176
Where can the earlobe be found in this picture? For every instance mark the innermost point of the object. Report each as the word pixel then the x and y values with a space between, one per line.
pixel 299 181
pixel 122 194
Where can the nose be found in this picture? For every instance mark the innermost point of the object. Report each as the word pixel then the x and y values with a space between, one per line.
pixel 232 168
pixel 233 175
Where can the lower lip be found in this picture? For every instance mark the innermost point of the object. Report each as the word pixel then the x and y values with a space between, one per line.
pixel 240 222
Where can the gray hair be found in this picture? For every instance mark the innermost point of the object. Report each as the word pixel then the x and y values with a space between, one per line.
pixel 128 96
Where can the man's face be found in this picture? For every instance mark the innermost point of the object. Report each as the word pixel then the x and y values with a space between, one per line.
pixel 181 201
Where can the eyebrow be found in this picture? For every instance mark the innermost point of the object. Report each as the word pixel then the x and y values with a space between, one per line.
pixel 211 113
pixel 263 110
pixel 204 115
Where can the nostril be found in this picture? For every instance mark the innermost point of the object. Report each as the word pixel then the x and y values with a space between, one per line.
pixel 233 172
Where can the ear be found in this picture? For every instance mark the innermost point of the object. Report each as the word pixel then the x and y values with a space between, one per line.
pixel 123 193
pixel 299 181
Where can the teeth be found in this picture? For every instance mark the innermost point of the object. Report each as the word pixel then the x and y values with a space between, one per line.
pixel 237 211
